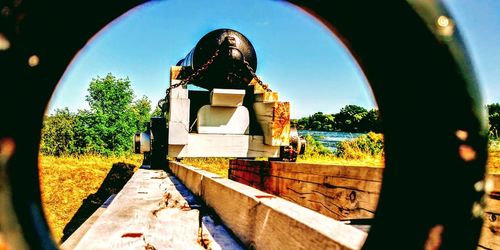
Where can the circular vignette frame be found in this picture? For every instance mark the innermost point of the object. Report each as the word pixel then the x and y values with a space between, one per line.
pixel 410 52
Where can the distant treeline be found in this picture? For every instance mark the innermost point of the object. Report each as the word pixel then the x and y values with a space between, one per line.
pixel 107 128
pixel 356 119
pixel 351 118
pixel 114 116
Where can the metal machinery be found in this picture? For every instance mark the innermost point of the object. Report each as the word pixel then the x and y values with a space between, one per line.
pixel 231 114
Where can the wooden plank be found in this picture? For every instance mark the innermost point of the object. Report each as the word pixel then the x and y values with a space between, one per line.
pixel 490 231
pixel 180 92
pixel 331 181
pixel 340 192
pixel 309 228
pixel 262 221
pixel 223 120
pixel 150 211
pixel 178 125
pixel 213 145
pixel 267 97
pixel 355 172
pixel 175 72
pixel 258 89
pixel 76 236
pixel 274 118
pixel 227 97
pixel 337 202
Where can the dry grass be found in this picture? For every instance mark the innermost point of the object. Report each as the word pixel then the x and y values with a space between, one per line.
pixel 372 161
pixel 66 181
pixel 494 157
pixel 494 161
pixel 218 166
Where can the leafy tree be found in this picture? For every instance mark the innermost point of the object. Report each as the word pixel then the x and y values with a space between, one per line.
pixel 156 112
pixel 371 122
pixel 349 118
pixel 107 128
pixel 142 112
pixel 111 122
pixel 58 133
pixel 494 119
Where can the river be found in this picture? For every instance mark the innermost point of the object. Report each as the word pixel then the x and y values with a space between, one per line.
pixel 329 139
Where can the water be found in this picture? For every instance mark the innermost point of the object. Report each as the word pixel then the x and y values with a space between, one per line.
pixel 330 139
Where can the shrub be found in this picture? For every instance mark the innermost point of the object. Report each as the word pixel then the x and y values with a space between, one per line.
pixel 315 147
pixel 370 144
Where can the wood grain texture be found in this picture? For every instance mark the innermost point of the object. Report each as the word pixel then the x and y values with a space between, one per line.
pixel 227 97
pixel 178 125
pixel 340 192
pixel 258 89
pixel 345 192
pixel 149 211
pixel 175 72
pixel 274 118
pixel 490 232
pixel 267 97
pixel 263 221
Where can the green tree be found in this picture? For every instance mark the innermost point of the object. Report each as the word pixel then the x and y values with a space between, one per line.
pixel 58 133
pixel 371 122
pixel 142 112
pixel 494 119
pixel 111 122
pixel 349 118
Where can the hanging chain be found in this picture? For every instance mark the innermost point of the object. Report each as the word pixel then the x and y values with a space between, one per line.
pixel 186 81
pixel 257 78
pixel 195 74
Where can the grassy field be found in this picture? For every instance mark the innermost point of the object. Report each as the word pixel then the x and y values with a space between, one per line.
pixel 214 165
pixel 66 181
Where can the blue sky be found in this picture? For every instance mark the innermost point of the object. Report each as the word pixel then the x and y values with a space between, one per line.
pixel 297 55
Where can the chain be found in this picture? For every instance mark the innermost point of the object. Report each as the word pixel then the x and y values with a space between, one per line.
pixel 186 81
pixel 190 78
pixel 257 78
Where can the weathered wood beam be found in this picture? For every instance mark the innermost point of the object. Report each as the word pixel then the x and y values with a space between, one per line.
pixel 264 221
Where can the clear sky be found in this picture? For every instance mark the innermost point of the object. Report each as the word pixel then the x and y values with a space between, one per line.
pixel 297 56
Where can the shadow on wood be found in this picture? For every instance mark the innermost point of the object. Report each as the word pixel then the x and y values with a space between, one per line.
pixel 117 177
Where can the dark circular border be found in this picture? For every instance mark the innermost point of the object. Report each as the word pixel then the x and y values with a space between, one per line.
pixel 419 73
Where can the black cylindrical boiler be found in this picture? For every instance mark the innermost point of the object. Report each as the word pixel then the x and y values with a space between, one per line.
pixel 228 69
